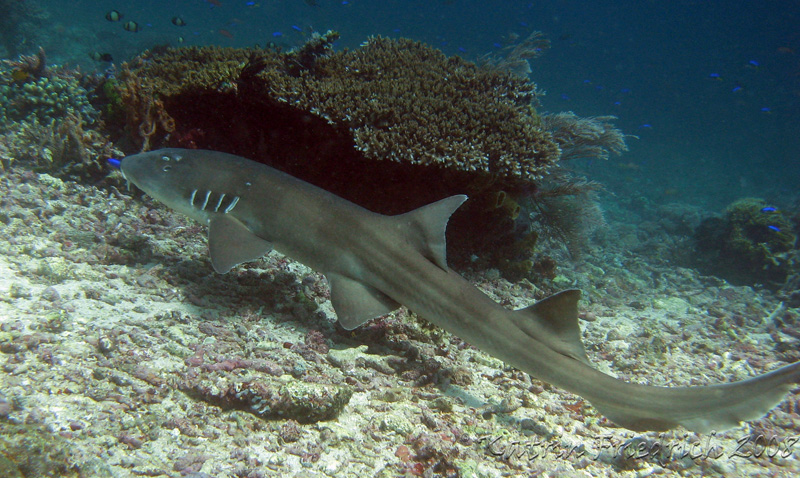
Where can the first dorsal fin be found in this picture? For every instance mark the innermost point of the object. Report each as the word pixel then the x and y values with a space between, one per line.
pixel 425 227
pixel 556 316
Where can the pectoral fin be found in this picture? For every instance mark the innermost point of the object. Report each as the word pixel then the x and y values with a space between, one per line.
pixel 231 243
pixel 356 303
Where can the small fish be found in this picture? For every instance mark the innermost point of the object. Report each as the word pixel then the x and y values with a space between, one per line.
pixel 225 33
pixel 113 16
pixel 97 56
pixel 774 228
pixel 19 75
pixel 768 209
pixel 178 21
pixel 312 3
pixel 180 40
pixel 766 109
pixel 715 76
pixel 736 89
pixel 131 26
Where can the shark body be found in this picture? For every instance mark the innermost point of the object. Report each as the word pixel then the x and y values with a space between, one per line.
pixel 375 263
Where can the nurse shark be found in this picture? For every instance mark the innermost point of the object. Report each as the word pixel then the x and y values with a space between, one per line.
pixel 376 263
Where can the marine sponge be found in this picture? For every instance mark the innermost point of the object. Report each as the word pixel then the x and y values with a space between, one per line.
pixel 751 243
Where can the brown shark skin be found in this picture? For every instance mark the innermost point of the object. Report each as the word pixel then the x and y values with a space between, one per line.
pixel 352 245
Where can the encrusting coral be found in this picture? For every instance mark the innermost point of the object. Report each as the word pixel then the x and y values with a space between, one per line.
pixel 392 125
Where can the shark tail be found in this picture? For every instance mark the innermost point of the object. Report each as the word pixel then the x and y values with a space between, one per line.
pixel 642 407
pixel 700 409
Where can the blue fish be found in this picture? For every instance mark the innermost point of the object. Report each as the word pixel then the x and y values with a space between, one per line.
pixel 768 209
pixel 715 76
pixel 774 228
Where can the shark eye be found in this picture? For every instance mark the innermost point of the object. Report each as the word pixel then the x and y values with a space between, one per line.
pixel 165 158
pixel 166 168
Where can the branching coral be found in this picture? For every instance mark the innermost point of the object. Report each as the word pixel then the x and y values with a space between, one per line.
pixel 29 66
pixel 58 147
pixel 398 100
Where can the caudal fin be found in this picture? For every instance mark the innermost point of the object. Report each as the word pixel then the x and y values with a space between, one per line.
pixel 701 409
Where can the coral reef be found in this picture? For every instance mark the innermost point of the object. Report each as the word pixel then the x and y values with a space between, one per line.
pixel 395 100
pixel 48 122
pixel 44 98
pixel 63 147
pixel 752 243
pixel 392 125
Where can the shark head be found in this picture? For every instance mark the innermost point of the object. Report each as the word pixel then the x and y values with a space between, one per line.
pixel 188 181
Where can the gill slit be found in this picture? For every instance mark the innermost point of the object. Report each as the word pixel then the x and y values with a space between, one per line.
pixel 232 204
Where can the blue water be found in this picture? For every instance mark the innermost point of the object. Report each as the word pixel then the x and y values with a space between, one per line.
pixel 711 88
